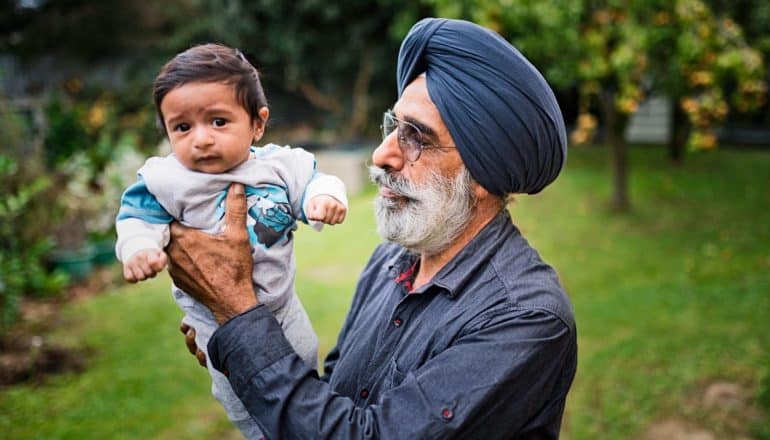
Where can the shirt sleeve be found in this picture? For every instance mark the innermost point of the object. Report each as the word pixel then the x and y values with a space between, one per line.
pixel 142 223
pixel 503 370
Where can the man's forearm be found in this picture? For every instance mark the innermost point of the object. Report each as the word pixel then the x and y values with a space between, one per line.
pixel 277 388
pixel 438 400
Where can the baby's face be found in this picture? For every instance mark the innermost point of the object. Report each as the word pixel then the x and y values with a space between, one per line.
pixel 208 128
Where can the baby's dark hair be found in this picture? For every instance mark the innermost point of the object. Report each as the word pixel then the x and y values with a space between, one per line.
pixel 211 63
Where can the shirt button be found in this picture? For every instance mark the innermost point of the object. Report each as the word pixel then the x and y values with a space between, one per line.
pixel 447 413
pixel 397 322
pixel 364 393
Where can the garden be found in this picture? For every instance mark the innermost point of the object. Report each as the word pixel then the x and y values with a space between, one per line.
pixel 663 247
pixel 670 303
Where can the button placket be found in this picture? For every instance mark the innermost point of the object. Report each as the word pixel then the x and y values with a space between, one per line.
pixel 387 341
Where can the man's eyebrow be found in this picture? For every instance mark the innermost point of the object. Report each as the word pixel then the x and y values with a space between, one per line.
pixel 424 129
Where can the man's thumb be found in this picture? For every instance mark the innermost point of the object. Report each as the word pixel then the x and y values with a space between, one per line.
pixel 235 208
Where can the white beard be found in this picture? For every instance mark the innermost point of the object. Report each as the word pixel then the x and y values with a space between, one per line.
pixel 425 218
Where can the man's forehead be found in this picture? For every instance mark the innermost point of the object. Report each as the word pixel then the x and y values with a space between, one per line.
pixel 415 104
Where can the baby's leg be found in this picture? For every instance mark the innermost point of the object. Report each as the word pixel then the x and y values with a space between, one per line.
pixel 298 330
pixel 220 386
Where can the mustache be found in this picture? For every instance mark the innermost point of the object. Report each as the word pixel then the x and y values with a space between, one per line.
pixel 393 182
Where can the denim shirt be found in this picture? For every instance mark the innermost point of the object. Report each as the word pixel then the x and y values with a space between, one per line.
pixel 486 350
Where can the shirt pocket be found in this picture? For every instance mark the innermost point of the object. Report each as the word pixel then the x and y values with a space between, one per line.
pixel 395 375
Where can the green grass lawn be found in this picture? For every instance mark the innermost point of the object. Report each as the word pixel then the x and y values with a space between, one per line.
pixel 668 299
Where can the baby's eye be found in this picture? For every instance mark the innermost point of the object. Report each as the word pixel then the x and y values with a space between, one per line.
pixel 219 122
pixel 182 127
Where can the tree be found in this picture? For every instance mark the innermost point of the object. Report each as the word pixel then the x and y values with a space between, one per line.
pixel 85 30
pixel 619 52
pixel 332 54
pixel 714 70
pixel 754 18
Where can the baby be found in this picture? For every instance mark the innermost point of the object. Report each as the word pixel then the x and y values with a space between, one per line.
pixel 211 105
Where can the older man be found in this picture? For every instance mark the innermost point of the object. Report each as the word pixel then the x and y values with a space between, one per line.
pixel 457 329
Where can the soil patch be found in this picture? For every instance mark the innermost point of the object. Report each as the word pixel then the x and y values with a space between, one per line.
pixel 27 355
pixel 717 410
pixel 29 359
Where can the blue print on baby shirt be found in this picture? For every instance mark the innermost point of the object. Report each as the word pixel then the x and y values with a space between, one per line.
pixel 269 214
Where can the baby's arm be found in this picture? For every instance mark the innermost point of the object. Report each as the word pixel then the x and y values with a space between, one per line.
pixel 143 232
pixel 140 248
pixel 326 209
pixel 144 264
pixel 325 201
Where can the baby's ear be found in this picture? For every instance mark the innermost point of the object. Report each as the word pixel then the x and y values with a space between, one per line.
pixel 264 114
pixel 260 122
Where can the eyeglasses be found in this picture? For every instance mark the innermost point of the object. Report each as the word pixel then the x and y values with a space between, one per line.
pixel 410 139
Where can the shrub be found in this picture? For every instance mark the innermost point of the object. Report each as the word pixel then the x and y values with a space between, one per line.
pixel 24 219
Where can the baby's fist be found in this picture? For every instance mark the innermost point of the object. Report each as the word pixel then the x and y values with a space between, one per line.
pixel 144 264
pixel 326 209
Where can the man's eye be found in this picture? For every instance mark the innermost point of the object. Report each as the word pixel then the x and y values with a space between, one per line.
pixel 410 136
pixel 182 127
pixel 219 122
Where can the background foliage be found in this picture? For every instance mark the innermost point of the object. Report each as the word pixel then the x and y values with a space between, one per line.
pixel 669 301
pixel 24 219
pixel 686 259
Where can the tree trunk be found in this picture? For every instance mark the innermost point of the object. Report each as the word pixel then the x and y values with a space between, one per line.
pixel 679 133
pixel 319 99
pixel 615 124
pixel 360 109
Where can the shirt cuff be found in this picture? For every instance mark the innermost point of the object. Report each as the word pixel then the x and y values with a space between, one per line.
pixel 127 249
pixel 247 344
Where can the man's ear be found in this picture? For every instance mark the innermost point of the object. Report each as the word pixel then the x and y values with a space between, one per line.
pixel 487 200
pixel 480 192
pixel 260 123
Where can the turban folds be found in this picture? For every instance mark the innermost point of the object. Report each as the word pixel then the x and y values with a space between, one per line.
pixel 500 111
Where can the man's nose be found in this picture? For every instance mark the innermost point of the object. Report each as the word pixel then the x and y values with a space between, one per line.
pixel 388 154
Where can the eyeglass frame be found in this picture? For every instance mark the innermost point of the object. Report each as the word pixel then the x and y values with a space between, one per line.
pixel 407 150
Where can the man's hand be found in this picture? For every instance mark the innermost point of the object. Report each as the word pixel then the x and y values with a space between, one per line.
pixel 326 209
pixel 216 269
pixel 192 347
pixel 144 264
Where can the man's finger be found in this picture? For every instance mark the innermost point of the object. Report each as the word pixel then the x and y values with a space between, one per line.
pixel 235 209
pixel 201 356
pixel 189 341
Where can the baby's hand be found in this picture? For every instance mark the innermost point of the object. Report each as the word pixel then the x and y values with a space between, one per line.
pixel 326 209
pixel 144 264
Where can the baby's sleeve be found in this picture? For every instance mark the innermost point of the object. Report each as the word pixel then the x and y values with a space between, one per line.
pixel 323 184
pixel 142 223
pixel 297 169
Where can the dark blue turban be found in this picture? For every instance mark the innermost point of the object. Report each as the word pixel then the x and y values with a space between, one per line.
pixel 498 108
